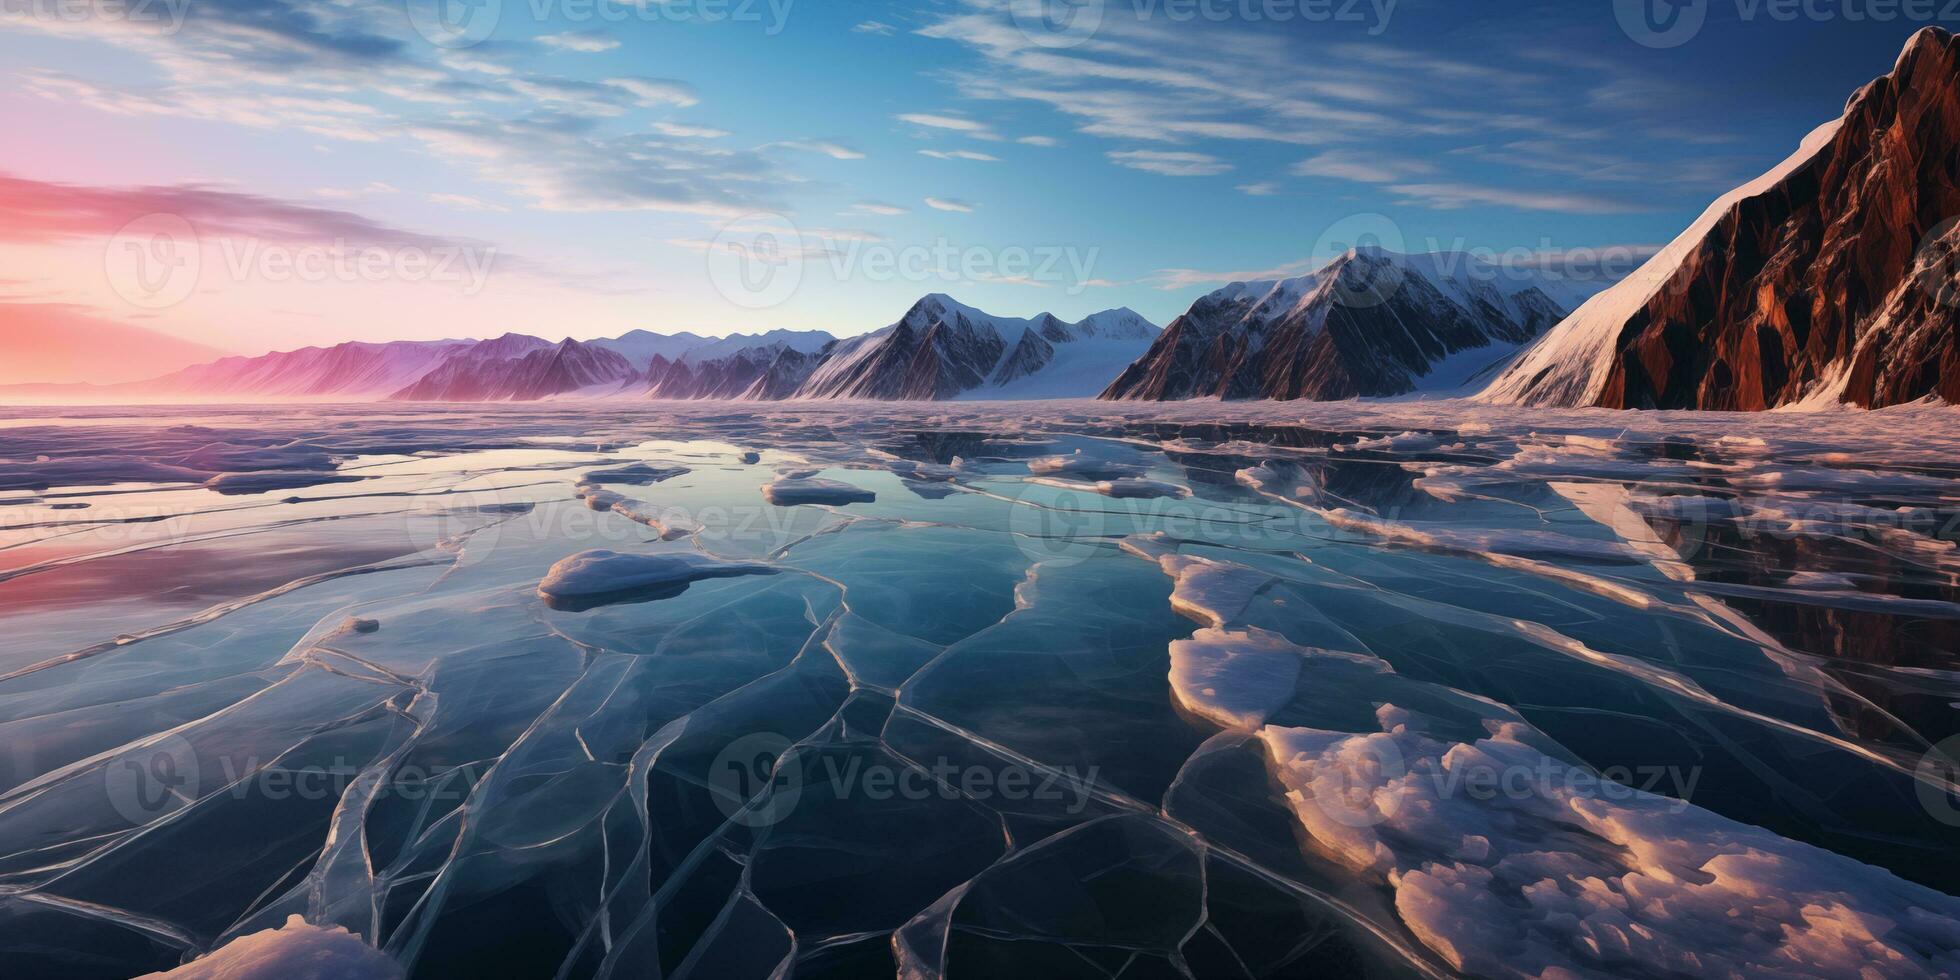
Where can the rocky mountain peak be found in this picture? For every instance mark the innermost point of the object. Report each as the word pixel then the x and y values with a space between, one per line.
pixel 1371 323
pixel 1828 280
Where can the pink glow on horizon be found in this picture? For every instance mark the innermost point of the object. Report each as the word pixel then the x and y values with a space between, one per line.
pixel 182 274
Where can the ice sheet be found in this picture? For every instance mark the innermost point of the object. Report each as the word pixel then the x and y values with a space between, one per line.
pixel 534 691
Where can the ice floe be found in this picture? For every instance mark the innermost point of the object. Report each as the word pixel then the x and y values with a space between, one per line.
pixel 1083 464
pixel 295 951
pixel 923 472
pixel 1509 863
pixel 792 491
pixel 243 483
pixel 596 578
pixel 1238 678
pixel 635 474
pixel 1129 487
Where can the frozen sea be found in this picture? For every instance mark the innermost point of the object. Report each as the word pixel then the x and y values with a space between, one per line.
pixel 1057 689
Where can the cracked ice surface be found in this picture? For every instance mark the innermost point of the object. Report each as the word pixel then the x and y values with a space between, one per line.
pixel 1056 689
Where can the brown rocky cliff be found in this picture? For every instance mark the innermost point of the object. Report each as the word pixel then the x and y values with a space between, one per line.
pixel 1823 277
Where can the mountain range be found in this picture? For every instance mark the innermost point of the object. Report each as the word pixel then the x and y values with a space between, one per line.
pixel 1829 280
pixel 940 349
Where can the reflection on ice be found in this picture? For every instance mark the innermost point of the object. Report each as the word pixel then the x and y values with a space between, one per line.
pixel 1044 690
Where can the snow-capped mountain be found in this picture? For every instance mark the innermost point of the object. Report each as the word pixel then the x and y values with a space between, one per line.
pixel 640 347
pixel 784 376
pixel 774 342
pixel 942 349
pixel 741 371
pixel 502 370
pixel 1828 280
pixel 763 366
pixel 1371 323
pixel 1118 324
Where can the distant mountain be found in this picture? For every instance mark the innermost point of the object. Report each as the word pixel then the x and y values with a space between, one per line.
pixel 775 341
pixel 1371 323
pixel 355 371
pixel 640 347
pixel 762 366
pixel 52 343
pixel 1830 279
pixel 510 369
pixel 942 349
pixel 1118 324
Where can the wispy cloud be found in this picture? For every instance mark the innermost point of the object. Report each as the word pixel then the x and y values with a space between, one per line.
pixel 1364 167
pixel 1210 86
pixel 658 91
pixel 1171 163
pixel 957 124
pixel 1452 196
pixel 1149 79
pixel 879 28
pixel 584 42
pixel 333 118
pixel 371 189
pixel 950 204
pixel 684 131
pixel 1590 164
pixel 960 155
pixel 347 72
pixel 1169 279
pixel 1404 178
pixel 464 202
pixel 271 36
pixel 34 212
pixel 563 162
pixel 878 208
pixel 835 151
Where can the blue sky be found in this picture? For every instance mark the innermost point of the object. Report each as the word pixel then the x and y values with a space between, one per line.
pixel 607 155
